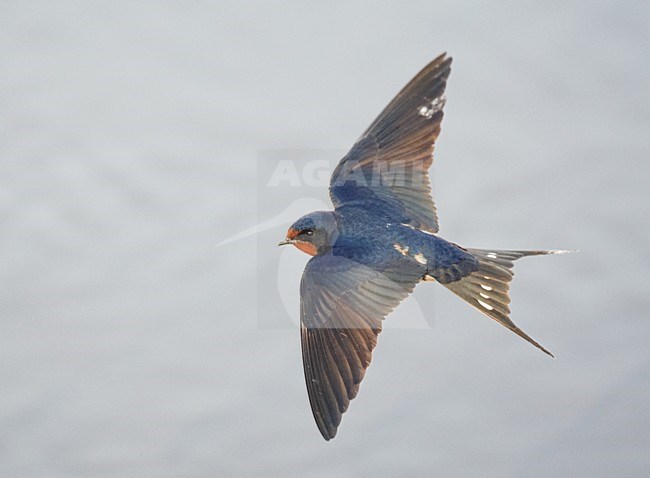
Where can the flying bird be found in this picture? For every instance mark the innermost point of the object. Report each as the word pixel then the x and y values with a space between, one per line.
pixel 379 242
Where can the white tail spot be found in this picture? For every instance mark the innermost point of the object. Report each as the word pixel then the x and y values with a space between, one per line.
pixel 491 255
pixel 487 306
pixel 485 296
pixel 486 287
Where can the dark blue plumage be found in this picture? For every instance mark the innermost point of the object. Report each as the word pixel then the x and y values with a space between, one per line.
pixel 379 243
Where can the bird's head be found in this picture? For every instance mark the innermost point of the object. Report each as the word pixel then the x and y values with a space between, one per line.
pixel 313 233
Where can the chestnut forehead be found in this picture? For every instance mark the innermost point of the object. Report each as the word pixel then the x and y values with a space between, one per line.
pixel 300 225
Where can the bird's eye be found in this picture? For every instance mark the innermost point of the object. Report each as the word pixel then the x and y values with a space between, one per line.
pixel 308 232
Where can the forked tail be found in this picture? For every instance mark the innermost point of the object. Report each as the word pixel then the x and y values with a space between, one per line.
pixel 487 287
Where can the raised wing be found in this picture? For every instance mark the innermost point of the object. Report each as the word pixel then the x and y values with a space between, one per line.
pixel 342 304
pixel 389 164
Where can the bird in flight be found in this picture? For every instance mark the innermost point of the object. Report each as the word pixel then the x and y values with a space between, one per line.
pixel 379 242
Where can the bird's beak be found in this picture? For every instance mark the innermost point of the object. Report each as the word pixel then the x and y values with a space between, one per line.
pixel 285 242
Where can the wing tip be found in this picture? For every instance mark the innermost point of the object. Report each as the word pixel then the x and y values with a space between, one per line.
pixel 443 61
pixel 443 57
pixel 328 434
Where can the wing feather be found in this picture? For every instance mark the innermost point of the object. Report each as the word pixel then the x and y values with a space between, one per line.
pixel 389 163
pixel 343 304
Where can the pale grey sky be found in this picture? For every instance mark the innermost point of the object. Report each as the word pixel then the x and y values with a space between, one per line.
pixel 130 142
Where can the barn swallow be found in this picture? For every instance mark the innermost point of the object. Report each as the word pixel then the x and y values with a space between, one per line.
pixel 379 242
